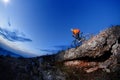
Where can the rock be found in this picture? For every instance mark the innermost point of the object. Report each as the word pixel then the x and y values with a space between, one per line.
pixel 91 69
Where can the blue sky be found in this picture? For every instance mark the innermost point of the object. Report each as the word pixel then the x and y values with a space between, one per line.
pixel 48 22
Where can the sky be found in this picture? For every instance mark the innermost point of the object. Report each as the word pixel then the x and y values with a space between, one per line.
pixel 43 26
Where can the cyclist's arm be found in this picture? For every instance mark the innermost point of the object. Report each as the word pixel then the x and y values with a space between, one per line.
pixel 81 34
pixel 73 36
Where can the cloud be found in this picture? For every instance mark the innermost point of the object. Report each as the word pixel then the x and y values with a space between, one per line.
pixel 13 36
pixel 48 50
pixel 57 48
pixel 18 48
pixel 63 47
pixel 13 41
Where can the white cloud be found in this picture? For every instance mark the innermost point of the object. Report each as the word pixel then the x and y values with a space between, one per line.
pixel 17 47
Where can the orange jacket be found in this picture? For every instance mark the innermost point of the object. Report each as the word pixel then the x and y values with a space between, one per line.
pixel 76 31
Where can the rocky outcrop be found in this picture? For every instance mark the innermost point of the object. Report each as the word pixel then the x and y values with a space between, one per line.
pixel 100 52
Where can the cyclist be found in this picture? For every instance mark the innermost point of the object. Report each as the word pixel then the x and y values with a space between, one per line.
pixel 76 33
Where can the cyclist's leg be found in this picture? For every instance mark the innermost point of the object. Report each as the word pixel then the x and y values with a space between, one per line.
pixel 73 44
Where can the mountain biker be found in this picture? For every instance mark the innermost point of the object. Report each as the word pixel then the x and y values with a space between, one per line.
pixel 76 33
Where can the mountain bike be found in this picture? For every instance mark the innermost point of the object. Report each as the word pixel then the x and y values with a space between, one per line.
pixel 80 41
